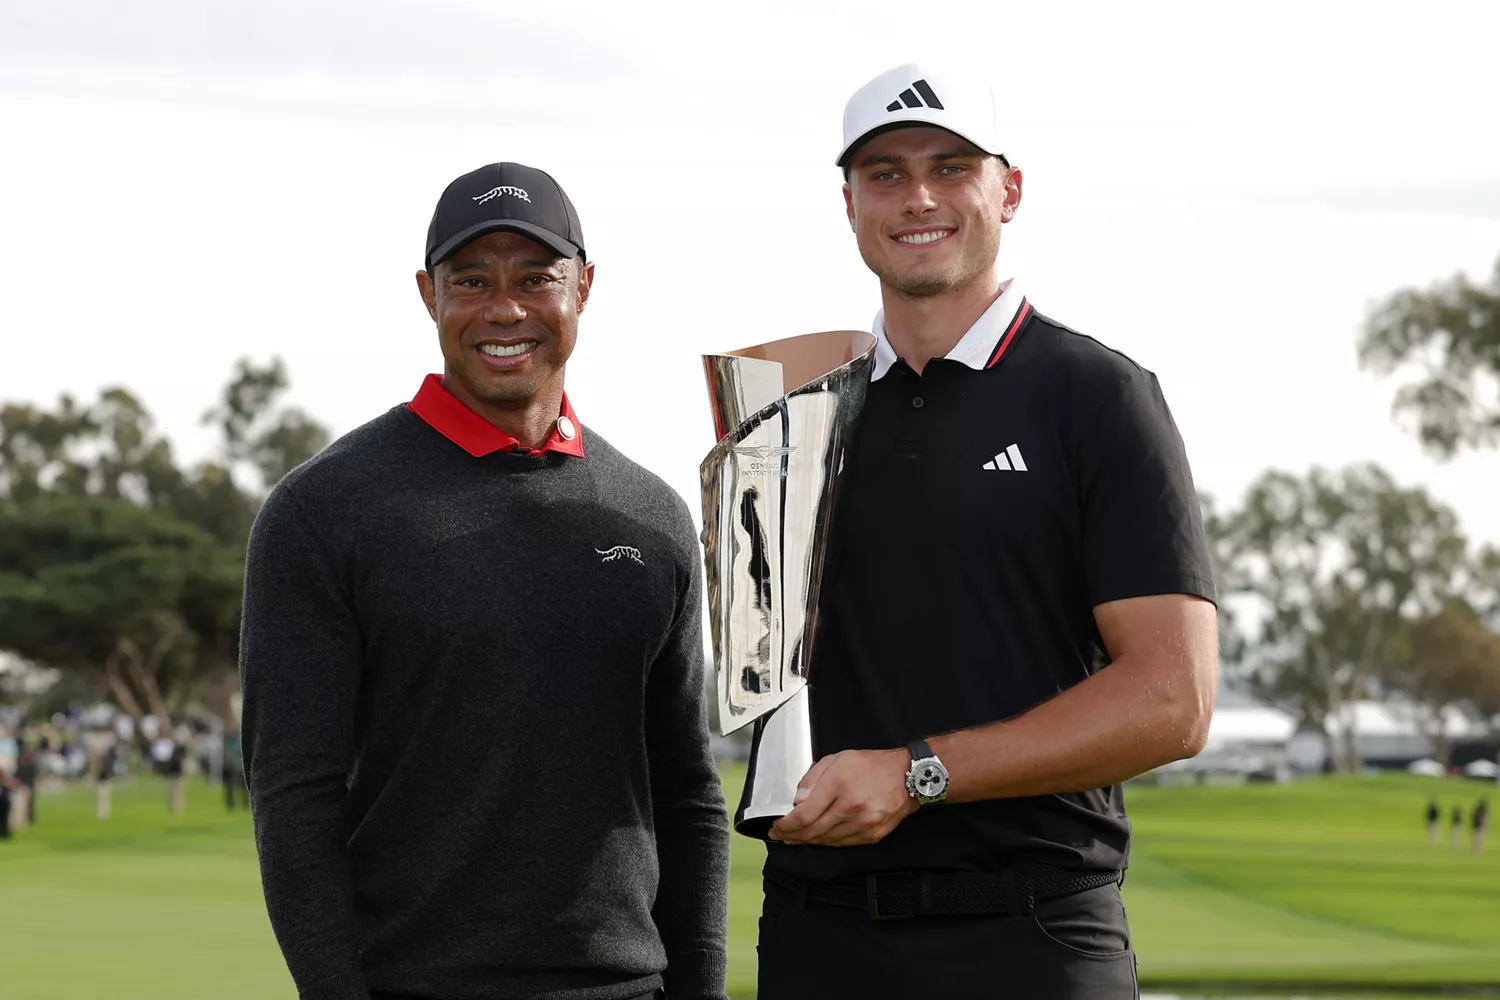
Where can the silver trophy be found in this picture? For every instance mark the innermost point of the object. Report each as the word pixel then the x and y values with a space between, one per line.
pixel 783 413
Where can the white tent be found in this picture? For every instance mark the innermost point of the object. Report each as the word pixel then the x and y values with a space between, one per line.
pixel 1399 719
pixel 1482 769
pixel 1396 731
pixel 1249 726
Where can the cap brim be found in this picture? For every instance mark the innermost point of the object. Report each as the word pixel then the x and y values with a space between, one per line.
pixel 547 239
pixel 853 147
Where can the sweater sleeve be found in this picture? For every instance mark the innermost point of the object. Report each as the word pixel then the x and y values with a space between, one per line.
pixel 299 673
pixel 692 827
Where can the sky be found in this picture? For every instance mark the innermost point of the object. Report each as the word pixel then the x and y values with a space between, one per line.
pixel 1219 194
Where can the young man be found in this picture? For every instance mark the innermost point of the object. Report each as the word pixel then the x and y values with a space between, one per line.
pixel 1018 615
pixel 473 730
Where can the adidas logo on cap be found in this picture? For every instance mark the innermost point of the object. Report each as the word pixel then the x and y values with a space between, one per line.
pixel 911 100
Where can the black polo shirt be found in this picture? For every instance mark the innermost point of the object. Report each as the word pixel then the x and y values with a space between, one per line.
pixel 991 503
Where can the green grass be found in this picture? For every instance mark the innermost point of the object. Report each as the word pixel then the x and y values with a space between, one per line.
pixel 143 906
pixel 1323 882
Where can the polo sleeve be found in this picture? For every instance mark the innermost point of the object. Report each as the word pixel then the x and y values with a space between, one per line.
pixel 1141 520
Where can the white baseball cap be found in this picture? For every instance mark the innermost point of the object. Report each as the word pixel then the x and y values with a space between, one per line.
pixel 914 94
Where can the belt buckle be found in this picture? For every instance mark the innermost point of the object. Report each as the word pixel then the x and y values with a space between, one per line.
pixel 872 895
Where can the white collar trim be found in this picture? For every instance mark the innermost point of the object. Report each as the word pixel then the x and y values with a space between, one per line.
pixel 976 346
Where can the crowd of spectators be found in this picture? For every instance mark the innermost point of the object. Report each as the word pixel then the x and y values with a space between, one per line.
pixel 103 746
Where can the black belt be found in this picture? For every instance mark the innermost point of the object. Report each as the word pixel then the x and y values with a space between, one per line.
pixel 896 895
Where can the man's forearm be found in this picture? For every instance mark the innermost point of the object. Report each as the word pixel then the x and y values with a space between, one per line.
pixel 1125 720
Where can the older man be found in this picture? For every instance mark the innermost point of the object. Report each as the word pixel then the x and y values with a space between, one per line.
pixel 472 662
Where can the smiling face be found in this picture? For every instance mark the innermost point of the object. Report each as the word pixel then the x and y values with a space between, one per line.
pixel 927 207
pixel 507 313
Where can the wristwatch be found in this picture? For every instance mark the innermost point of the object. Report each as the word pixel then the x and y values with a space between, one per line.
pixel 927 781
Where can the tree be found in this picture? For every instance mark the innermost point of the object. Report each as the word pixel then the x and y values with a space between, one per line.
pixel 34 446
pixel 1329 566
pixel 1448 339
pixel 1446 663
pixel 76 481
pixel 113 449
pixel 96 586
pixel 1221 551
pixel 274 441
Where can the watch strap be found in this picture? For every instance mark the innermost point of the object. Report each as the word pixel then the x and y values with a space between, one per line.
pixel 919 749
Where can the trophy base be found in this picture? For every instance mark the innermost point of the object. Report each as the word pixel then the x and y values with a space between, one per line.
pixel 759 825
pixel 781 753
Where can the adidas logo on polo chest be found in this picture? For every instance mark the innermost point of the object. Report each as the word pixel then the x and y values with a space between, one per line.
pixel 1008 460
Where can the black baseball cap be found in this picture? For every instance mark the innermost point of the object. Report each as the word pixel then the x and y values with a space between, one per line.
pixel 504 196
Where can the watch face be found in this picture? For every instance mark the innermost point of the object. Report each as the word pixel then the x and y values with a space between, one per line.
pixel 930 780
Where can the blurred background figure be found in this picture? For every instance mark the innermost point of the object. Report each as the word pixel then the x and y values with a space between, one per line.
pixel 1456 825
pixel 27 767
pixel 1480 823
pixel 1434 814
pixel 104 778
pixel 173 769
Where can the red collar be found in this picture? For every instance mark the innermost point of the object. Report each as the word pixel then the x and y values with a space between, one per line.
pixel 447 415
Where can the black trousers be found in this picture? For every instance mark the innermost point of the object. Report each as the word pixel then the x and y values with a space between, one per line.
pixel 1074 948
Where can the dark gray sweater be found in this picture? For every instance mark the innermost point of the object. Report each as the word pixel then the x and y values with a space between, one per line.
pixel 474 728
